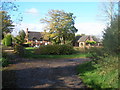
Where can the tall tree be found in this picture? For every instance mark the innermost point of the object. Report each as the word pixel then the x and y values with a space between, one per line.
pixel 60 26
pixel 7 7
pixel 111 37
pixel 20 39
pixel 111 33
pixel 109 10
pixel 6 23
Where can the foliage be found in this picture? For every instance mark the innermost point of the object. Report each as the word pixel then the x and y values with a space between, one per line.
pixel 111 36
pixel 80 35
pixel 4 60
pixel 19 50
pixel 22 34
pixel 55 50
pixel 102 75
pixel 20 39
pixel 6 23
pixel 10 6
pixel 7 41
pixel 30 54
pixel 60 26
pixel 97 53
pixel 91 42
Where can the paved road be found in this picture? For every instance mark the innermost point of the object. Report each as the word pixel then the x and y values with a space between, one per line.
pixel 47 73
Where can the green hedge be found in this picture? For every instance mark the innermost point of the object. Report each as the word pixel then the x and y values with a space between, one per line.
pixel 55 50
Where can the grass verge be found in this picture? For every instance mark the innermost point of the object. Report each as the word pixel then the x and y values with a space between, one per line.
pixel 101 75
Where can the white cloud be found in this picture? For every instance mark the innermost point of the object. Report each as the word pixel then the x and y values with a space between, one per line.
pixel 32 11
pixel 90 28
pixel 31 27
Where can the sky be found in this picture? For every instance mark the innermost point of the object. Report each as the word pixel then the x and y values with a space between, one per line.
pixel 87 16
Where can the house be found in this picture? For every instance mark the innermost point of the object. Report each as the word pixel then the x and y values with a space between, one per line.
pixel 82 41
pixel 36 38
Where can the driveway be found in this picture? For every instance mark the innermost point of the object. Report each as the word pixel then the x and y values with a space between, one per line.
pixel 46 73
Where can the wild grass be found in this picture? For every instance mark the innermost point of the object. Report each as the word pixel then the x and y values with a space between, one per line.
pixel 101 75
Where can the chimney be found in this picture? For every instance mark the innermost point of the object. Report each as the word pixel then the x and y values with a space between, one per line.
pixel 27 31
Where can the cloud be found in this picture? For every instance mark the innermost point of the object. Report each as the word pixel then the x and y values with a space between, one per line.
pixel 32 11
pixel 90 28
pixel 31 27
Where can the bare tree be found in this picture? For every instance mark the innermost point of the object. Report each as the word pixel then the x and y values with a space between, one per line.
pixel 108 10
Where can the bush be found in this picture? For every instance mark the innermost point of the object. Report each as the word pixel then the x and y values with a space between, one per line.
pixel 55 50
pixel 97 53
pixel 4 60
pixel 7 41
pixel 19 49
pixel 90 42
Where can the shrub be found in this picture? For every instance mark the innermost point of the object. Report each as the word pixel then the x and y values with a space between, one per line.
pixel 4 62
pixel 4 59
pixel 97 53
pixel 7 41
pixel 55 50
pixel 90 42
pixel 19 49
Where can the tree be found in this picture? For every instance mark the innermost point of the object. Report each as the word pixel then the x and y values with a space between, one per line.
pixel 60 26
pixel 111 37
pixel 6 23
pixel 109 11
pixel 111 33
pixel 80 35
pixel 20 39
pixel 6 9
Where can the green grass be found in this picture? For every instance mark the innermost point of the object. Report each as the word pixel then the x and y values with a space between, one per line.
pixel 101 75
pixel 30 54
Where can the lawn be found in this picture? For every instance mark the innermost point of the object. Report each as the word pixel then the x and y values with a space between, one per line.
pixel 30 54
